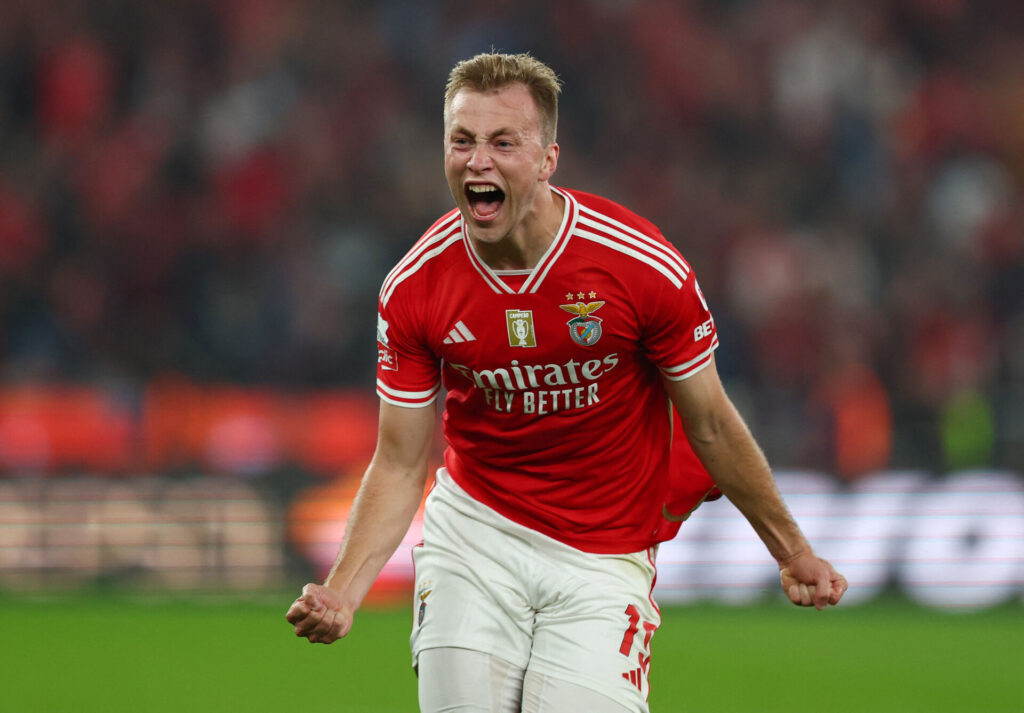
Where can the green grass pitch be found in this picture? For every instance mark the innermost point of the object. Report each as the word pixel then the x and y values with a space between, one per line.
pixel 113 653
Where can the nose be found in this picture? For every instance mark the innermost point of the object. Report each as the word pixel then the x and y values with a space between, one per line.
pixel 480 158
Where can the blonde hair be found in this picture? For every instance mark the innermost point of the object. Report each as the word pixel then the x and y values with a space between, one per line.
pixel 492 70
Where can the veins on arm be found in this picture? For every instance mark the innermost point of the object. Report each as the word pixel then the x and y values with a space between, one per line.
pixel 391 491
pixel 728 451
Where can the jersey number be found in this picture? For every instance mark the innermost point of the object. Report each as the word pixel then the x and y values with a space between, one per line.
pixel 638 675
pixel 634 626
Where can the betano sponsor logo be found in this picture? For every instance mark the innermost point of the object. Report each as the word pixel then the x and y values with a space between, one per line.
pixel 954 542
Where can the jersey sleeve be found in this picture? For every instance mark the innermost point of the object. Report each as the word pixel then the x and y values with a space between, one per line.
pixel 408 372
pixel 680 336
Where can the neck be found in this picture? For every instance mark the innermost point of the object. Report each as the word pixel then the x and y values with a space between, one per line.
pixel 523 248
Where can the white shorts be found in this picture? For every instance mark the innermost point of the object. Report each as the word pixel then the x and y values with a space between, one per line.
pixel 488 584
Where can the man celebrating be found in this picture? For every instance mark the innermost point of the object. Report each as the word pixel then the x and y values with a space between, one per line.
pixel 575 345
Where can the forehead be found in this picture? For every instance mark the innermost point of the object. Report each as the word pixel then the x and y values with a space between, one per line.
pixel 510 107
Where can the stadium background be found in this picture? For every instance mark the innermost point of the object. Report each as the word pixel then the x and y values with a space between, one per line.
pixel 198 201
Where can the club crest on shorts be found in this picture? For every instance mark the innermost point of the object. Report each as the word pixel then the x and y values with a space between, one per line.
pixel 423 592
pixel 520 328
pixel 584 329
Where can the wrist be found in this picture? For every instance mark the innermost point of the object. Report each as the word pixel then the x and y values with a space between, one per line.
pixel 346 599
pixel 787 559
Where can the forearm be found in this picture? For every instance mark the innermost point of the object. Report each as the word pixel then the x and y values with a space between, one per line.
pixel 724 445
pixel 383 509
pixel 739 468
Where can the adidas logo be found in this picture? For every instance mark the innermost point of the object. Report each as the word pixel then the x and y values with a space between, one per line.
pixel 459 333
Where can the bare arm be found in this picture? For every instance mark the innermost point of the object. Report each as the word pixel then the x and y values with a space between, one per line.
pixel 388 497
pixel 725 446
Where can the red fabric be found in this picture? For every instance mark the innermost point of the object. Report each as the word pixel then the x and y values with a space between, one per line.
pixel 567 435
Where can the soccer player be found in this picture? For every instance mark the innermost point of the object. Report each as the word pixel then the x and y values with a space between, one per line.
pixel 574 344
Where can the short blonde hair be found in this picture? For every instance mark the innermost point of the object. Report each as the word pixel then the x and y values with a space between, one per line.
pixel 492 70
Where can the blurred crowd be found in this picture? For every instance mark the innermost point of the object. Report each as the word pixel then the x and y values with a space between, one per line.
pixel 214 190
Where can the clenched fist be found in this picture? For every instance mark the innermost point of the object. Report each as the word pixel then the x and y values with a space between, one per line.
pixel 320 615
pixel 811 581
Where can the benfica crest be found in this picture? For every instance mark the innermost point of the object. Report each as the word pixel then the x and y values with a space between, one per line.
pixel 584 328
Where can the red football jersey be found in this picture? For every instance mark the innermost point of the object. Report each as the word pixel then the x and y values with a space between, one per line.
pixel 555 413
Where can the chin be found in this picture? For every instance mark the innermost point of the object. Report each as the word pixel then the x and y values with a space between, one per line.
pixel 491 232
pixel 488 234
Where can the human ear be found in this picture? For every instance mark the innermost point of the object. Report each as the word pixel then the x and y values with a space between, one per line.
pixel 550 162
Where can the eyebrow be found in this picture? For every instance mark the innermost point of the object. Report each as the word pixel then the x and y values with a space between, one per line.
pixel 457 129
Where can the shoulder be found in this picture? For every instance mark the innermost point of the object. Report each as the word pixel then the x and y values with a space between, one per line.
pixel 442 224
pixel 423 256
pixel 635 241
pixel 592 205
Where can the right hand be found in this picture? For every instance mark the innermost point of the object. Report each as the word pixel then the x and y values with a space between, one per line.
pixel 320 615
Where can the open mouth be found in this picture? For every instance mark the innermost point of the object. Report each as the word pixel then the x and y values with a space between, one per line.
pixel 484 199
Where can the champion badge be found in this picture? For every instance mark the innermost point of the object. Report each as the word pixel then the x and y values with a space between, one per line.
pixel 520 328
pixel 584 329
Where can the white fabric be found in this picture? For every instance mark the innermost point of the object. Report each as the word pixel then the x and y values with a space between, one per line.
pixel 463 681
pixel 487 584
pixel 543 694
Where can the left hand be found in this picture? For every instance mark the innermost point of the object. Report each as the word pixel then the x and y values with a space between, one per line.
pixel 320 615
pixel 809 580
